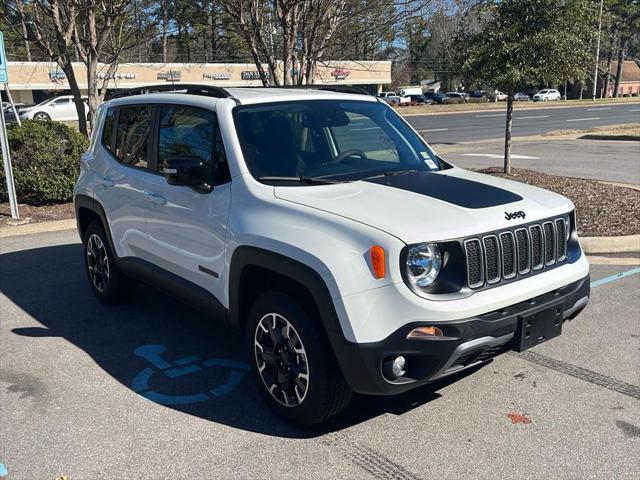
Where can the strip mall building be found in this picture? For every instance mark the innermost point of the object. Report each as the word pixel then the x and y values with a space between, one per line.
pixel 33 82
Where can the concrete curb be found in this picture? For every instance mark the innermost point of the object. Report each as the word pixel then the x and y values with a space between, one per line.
pixel 623 244
pixel 40 227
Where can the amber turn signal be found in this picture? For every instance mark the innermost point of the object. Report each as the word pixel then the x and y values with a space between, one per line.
pixel 424 332
pixel 377 261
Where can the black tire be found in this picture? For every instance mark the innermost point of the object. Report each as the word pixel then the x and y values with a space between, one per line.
pixel 107 282
pixel 42 117
pixel 327 393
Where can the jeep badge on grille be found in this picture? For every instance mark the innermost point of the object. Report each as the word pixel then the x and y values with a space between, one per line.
pixel 511 216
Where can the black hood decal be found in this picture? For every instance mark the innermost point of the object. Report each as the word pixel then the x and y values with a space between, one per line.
pixel 458 191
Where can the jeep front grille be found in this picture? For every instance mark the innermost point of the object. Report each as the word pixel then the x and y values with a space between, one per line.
pixel 499 256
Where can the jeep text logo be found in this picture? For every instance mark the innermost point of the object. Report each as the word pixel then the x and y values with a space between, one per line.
pixel 511 216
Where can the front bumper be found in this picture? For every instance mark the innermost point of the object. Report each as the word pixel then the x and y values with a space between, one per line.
pixel 466 343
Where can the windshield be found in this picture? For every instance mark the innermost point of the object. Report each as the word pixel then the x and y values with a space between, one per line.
pixel 331 139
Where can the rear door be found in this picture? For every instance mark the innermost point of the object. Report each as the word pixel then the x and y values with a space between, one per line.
pixel 124 175
pixel 187 225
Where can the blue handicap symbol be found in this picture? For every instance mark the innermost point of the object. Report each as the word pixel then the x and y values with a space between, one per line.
pixel 180 367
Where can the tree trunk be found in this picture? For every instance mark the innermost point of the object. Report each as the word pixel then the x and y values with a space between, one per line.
pixel 616 88
pixel 507 134
pixel 25 33
pixel 165 28
pixel 67 68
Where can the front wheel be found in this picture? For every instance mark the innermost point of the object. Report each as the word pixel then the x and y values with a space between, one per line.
pixel 295 369
pixel 42 117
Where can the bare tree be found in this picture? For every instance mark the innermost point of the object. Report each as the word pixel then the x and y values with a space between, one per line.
pixel 54 39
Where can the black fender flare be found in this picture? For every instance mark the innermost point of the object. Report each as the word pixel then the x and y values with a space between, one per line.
pixel 85 201
pixel 306 276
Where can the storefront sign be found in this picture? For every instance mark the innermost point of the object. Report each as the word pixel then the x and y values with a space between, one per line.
pixel 56 76
pixel 169 76
pixel 340 74
pixel 118 76
pixel 216 76
pixel 252 75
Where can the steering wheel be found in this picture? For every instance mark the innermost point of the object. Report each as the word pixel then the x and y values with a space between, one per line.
pixel 350 153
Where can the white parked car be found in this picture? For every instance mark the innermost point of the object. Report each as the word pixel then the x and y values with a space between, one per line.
pixel 60 108
pixel 326 230
pixel 547 95
pixel 500 96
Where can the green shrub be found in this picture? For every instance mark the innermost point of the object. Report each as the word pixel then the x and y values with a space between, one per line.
pixel 46 162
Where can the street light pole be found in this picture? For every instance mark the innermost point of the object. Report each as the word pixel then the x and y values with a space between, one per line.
pixel 595 73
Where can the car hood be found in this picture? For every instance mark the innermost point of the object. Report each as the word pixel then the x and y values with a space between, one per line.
pixel 419 207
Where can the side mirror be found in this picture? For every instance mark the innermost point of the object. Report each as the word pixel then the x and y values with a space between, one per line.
pixel 185 171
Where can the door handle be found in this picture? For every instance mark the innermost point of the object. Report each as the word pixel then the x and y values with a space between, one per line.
pixel 105 182
pixel 155 198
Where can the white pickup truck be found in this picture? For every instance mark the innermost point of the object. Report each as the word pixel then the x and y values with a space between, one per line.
pixel 392 98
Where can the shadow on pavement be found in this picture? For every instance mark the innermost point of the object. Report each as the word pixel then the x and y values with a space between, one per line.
pixel 624 138
pixel 161 348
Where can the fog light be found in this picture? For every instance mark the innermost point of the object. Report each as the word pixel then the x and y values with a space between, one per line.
pixel 424 332
pixel 394 367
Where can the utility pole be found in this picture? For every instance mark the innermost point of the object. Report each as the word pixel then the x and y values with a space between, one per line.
pixel 595 73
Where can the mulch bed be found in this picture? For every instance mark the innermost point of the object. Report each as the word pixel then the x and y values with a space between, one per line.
pixel 37 214
pixel 603 210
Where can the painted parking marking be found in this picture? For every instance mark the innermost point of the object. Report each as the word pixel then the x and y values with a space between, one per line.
pixel 599 108
pixel 153 354
pixel 498 156
pixel 534 116
pixel 583 119
pixel 433 130
pixel 613 278
pixel 635 110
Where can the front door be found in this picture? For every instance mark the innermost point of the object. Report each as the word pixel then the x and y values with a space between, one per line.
pixel 187 226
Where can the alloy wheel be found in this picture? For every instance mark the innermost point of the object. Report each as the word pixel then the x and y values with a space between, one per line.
pixel 41 117
pixel 97 263
pixel 281 360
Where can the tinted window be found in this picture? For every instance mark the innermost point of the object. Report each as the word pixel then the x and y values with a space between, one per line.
pixel 192 132
pixel 134 129
pixel 107 129
pixel 62 101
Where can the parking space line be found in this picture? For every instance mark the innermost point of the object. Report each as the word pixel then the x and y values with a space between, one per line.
pixel 535 116
pixel 582 373
pixel 635 110
pixel 433 130
pixel 599 108
pixel 613 278
pixel 583 119
pixel 493 115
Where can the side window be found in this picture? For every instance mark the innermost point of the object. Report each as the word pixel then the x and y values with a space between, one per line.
pixel 192 132
pixel 62 102
pixel 132 138
pixel 108 129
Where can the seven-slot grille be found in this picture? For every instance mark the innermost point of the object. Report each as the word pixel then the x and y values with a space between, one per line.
pixel 503 255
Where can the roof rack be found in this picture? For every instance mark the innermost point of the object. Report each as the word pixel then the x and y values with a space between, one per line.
pixel 329 88
pixel 191 89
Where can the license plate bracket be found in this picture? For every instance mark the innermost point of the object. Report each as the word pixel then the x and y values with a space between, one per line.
pixel 538 327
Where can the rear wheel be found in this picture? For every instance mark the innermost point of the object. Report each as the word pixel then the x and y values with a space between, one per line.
pixel 106 280
pixel 295 369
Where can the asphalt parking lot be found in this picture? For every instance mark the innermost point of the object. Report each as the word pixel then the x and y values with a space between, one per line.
pixel 155 390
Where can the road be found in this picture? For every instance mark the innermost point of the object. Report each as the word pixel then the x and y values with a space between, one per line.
pixel 452 128
pixel 77 398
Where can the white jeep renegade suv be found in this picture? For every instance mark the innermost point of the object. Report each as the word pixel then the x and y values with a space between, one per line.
pixel 321 225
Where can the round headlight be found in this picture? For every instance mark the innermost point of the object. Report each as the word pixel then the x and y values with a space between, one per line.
pixel 423 264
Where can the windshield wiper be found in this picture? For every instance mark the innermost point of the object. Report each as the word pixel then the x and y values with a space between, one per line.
pixel 390 173
pixel 301 179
